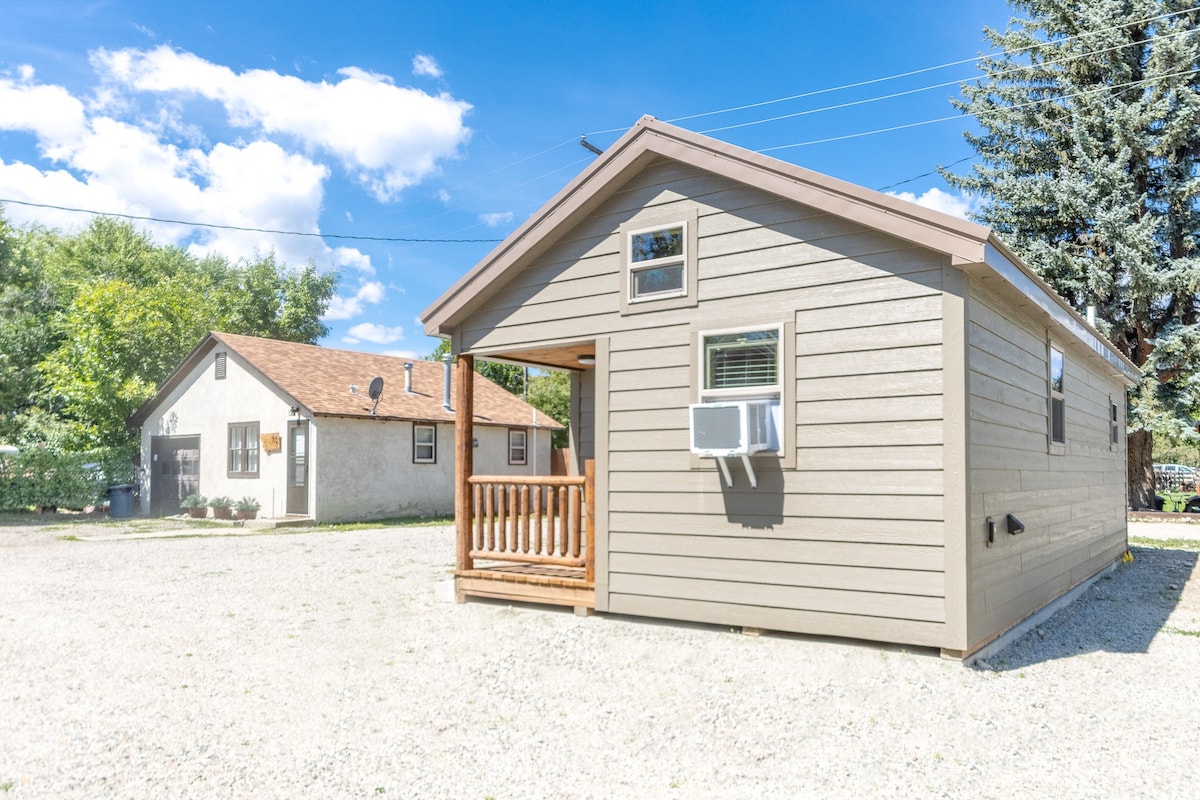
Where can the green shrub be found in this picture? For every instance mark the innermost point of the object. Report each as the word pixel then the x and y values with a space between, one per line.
pixel 46 478
pixel 248 504
pixel 195 501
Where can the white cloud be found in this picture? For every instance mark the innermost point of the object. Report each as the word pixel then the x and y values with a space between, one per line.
pixel 388 137
pixel 376 334
pixel 425 66
pixel 410 354
pixel 350 307
pixel 956 205
pixel 132 148
pixel 496 219
pixel 443 196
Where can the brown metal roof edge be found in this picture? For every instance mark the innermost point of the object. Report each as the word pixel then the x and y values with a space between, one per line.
pixel 934 230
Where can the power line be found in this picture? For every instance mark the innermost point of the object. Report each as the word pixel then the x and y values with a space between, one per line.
pixel 245 229
pixel 960 81
pixel 1099 90
pixel 924 174
pixel 910 73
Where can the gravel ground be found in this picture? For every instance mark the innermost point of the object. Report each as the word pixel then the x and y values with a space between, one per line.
pixel 318 664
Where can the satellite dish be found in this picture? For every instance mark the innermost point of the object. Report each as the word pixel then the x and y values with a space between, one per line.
pixel 374 390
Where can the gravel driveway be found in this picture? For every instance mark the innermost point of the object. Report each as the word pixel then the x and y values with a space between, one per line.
pixel 321 665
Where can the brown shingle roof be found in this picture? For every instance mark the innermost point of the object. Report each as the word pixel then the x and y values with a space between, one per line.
pixel 319 379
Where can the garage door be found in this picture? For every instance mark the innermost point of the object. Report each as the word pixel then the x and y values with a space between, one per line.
pixel 174 473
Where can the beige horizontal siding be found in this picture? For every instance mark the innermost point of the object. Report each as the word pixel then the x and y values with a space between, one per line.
pixel 1071 500
pixel 848 542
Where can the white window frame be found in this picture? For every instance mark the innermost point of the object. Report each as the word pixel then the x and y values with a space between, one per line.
pixel 431 457
pixel 763 391
pixel 687 220
pixel 523 447
pixel 1056 396
pixel 1114 421
pixel 633 268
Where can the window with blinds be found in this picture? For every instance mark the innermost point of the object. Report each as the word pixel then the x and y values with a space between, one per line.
pixel 741 362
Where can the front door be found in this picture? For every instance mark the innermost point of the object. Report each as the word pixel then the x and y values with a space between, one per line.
pixel 297 477
pixel 174 473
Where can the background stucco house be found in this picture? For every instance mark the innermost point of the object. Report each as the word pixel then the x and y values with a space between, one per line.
pixel 295 426
pixel 907 383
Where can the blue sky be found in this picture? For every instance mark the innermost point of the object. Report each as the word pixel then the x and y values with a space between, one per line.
pixel 444 120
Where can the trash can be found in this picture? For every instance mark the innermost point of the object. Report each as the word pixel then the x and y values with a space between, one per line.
pixel 120 501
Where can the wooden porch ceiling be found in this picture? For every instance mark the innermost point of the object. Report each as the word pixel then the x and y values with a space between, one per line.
pixel 560 357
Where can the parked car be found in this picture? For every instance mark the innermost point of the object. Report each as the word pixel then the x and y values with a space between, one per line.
pixel 1175 477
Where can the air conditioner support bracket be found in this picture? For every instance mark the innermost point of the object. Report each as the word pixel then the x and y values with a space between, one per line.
pixel 750 472
pixel 729 477
pixel 725 471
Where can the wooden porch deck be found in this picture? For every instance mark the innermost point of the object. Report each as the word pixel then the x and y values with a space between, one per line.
pixel 524 538
pixel 528 583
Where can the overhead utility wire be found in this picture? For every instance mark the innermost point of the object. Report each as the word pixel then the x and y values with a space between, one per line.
pixel 960 81
pixel 960 116
pixel 241 228
pixel 924 174
pixel 908 73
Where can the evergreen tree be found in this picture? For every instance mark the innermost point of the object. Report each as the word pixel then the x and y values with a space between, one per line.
pixel 1090 141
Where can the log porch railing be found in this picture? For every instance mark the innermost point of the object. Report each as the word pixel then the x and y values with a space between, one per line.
pixel 538 519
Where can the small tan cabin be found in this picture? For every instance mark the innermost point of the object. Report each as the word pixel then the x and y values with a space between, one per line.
pixel 797 405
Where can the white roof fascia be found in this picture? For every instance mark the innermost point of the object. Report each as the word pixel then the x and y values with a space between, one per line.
pixel 1041 295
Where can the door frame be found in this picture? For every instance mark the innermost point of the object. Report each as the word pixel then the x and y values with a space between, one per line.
pixel 296 497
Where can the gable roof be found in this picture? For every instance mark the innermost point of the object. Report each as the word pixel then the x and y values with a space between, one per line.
pixel 318 380
pixel 971 247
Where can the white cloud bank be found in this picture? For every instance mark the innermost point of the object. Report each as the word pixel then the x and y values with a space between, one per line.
pixel 956 205
pixel 376 334
pixel 350 307
pixel 136 146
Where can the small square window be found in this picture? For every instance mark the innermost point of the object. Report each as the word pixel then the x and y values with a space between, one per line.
pixel 424 444
pixel 243 450
pixel 657 262
pixel 517 449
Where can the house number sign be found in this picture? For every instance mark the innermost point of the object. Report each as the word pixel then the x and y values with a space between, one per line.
pixel 270 442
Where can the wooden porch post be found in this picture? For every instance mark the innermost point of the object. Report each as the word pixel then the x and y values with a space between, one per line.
pixel 589 493
pixel 464 460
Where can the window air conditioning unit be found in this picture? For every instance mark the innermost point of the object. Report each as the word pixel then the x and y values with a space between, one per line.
pixel 734 428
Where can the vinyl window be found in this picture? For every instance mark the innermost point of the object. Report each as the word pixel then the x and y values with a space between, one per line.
pixel 518 451
pixel 243 450
pixel 1058 401
pixel 657 262
pixel 744 362
pixel 424 444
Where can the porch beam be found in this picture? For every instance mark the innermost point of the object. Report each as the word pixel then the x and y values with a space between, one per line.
pixel 464 459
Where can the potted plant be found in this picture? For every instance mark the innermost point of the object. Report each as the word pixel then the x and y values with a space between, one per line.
pixel 196 505
pixel 247 508
pixel 221 507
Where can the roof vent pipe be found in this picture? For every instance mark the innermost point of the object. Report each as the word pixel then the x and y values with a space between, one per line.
pixel 446 383
pixel 408 377
pixel 1091 316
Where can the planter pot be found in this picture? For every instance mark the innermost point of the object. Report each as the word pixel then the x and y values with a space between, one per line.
pixel 222 513
pixel 247 515
pixel 197 513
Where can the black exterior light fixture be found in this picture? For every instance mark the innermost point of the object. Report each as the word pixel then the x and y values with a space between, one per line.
pixel 1011 524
